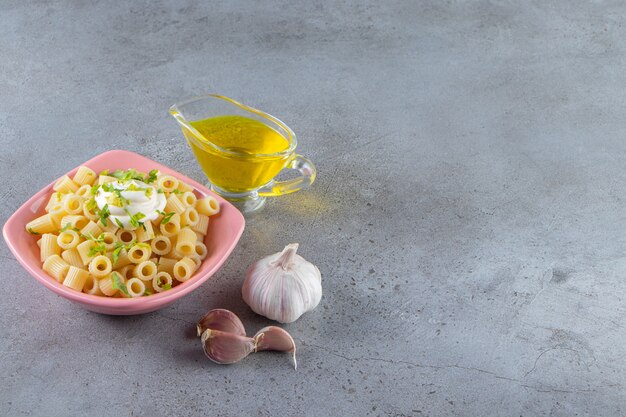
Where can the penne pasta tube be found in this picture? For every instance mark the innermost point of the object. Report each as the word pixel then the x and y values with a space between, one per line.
pixel 74 221
pixel 166 265
pixel 139 253
pixel 42 224
pixel 68 239
pixel 145 271
pixel 173 204
pixel 91 230
pixel 201 250
pixel 184 269
pixel 190 217
pixel 167 183
pixel 76 278
pixel 100 266
pixel 49 246
pixel 72 257
pixel 162 281
pixel 186 242
pixel 56 267
pixel 84 176
pixel 106 285
pixel 135 287
pixel 161 245
pixel 143 235
pixel 65 185
pixel 188 198
pixel 92 286
pixel 172 227
pixel 208 206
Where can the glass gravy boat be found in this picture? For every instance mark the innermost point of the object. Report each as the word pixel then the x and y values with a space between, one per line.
pixel 241 150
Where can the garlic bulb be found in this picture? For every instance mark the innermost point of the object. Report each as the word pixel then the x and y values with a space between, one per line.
pixel 283 286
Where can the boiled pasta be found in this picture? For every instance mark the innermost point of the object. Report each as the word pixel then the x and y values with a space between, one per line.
pixel 40 225
pixel 184 269
pixel 189 217
pixel 65 185
pixel 100 266
pixel 49 246
pixel 84 246
pixel 161 245
pixel 186 242
pixel 68 239
pixel 162 281
pixel 56 267
pixel 84 176
pixel 76 278
pixel 135 287
pixel 208 206
pixel 145 271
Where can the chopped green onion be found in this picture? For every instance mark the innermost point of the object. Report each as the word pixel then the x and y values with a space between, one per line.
pixel 167 217
pixel 32 232
pixel 104 214
pixel 152 176
pixel 118 284
pixel 101 249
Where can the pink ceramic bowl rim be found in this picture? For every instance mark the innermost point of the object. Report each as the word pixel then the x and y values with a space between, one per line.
pixel 121 305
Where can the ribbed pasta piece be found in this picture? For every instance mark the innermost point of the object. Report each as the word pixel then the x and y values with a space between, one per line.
pixel 106 285
pixel 135 287
pixel 84 176
pixel 56 267
pixel 139 253
pixel 76 278
pixel 42 224
pixel 162 281
pixel 186 242
pixel 100 266
pixel 92 286
pixel 190 217
pixel 167 183
pixel 145 271
pixel 72 257
pixel 65 185
pixel 184 269
pixel 145 233
pixel 166 265
pixel 208 206
pixel 68 239
pixel 76 221
pixel 48 246
pixel 161 245
pixel 174 204
pixel 91 230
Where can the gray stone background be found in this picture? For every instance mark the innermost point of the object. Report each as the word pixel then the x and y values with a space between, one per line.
pixel 468 218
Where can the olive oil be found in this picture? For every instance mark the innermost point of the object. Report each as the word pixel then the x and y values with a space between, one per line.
pixel 250 160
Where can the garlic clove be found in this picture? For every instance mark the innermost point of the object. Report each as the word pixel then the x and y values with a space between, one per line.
pixel 223 320
pixel 275 338
pixel 282 286
pixel 226 348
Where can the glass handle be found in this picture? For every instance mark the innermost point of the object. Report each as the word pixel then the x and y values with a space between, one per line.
pixel 307 175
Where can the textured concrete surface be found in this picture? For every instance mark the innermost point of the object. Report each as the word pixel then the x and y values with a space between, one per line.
pixel 469 217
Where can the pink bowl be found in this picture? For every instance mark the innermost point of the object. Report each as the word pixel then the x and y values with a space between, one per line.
pixel 225 229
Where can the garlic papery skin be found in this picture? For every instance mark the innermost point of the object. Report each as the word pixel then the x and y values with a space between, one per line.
pixel 223 320
pixel 226 348
pixel 275 338
pixel 283 286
